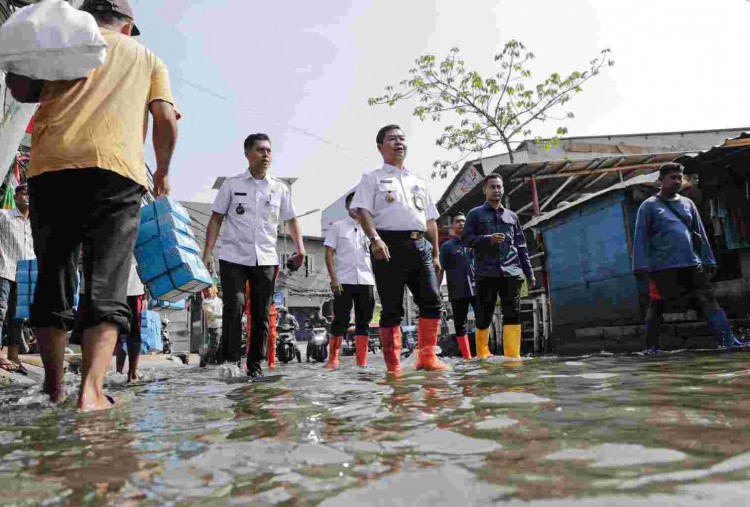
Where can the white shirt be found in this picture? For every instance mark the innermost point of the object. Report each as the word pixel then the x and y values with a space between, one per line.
pixel 397 199
pixel 253 210
pixel 16 243
pixel 135 287
pixel 353 265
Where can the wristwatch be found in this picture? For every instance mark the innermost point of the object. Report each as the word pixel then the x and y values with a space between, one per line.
pixel 375 238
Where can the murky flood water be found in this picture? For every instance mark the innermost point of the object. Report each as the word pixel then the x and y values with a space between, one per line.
pixel 621 430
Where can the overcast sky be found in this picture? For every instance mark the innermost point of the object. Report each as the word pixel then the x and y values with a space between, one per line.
pixel 302 72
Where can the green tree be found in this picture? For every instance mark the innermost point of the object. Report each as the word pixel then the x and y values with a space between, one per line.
pixel 502 109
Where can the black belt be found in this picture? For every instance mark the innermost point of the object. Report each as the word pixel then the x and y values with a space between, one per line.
pixel 412 235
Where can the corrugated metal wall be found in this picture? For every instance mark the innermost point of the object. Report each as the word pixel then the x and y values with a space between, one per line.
pixel 588 256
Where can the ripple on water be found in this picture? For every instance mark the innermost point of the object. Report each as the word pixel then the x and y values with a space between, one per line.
pixel 619 455
pixel 512 397
pixel 439 441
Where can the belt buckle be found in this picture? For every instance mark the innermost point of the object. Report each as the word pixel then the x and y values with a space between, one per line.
pixel 415 235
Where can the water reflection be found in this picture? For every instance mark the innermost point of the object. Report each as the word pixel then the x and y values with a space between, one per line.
pixel 544 428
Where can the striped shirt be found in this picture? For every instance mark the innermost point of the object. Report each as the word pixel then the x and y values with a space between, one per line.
pixel 15 242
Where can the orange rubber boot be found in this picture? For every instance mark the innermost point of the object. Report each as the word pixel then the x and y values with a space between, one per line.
pixel 334 346
pixel 361 343
pixel 272 335
pixel 390 340
pixel 463 344
pixel 427 335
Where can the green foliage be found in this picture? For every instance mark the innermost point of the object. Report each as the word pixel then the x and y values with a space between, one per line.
pixel 501 109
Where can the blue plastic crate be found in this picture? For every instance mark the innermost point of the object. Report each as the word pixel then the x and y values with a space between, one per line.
pixel 160 225
pixel 156 265
pixel 160 244
pixel 158 305
pixel 182 281
pixel 22 312
pixel 26 271
pixel 164 206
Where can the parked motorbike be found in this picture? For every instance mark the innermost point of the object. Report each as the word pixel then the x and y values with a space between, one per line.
pixel 286 346
pixel 317 347
pixel 348 345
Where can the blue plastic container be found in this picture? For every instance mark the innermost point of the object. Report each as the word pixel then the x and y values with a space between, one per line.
pixel 160 262
pixel 158 305
pixel 160 225
pixel 164 206
pixel 189 277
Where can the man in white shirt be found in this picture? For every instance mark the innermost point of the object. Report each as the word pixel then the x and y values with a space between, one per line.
pixel 212 308
pixel 399 216
pixel 352 282
pixel 254 204
pixel 15 244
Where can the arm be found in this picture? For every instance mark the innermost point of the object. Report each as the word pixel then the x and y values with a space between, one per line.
pixel 707 255
pixel 296 233
pixel 379 248
pixel 523 253
pixel 164 139
pixel 335 285
pixel 432 237
pixel 212 234
pixel 640 258
pixel 25 90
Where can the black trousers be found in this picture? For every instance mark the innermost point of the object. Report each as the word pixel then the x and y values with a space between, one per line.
pixel 461 311
pixel 410 266
pixel 262 283
pixel 363 299
pixel 488 290
pixel 98 210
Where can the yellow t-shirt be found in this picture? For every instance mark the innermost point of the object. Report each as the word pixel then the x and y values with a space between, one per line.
pixel 101 121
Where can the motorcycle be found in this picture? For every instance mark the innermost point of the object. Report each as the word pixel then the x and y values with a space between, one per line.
pixel 348 345
pixel 286 346
pixel 317 347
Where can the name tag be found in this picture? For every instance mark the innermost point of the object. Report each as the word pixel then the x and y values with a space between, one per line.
pixel 387 181
pixel 240 193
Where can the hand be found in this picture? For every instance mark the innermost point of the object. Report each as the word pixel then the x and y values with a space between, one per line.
pixel 498 238
pixel 336 288
pixel 436 263
pixel 295 261
pixel 161 183
pixel 207 258
pixel 380 250
pixel 532 283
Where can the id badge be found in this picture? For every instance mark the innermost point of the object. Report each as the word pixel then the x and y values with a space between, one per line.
pixel 419 202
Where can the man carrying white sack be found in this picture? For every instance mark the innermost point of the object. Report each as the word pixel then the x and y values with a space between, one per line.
pixel 254 204
pixel 86 179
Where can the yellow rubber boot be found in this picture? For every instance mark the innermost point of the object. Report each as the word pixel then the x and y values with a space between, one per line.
pixel 512 340
pixel 483 343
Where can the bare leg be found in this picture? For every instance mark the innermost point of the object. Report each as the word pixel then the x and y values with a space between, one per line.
pixel 98 345
pixel 13 353
pixel 52 349
pixel 134 354
pixel 120 356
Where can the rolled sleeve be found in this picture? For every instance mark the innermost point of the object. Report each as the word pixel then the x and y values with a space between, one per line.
pixel 287 207
pixel 223 199
pixel 160 85
pixel 364 195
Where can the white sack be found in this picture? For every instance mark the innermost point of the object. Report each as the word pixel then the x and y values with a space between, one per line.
pixel 51 40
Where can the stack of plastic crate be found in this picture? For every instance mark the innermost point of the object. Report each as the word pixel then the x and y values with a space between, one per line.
pixel 168 257
pixel 26 275
pixel 150 331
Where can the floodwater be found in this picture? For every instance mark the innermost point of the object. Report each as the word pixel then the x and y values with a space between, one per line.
pixel 587 431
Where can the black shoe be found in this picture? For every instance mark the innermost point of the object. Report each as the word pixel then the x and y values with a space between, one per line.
pixel 254 370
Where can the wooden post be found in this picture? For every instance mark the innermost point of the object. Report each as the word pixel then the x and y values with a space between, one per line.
pixel 535 196
pixel 535 310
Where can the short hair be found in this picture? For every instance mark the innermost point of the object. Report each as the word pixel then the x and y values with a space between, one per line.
pixel 670 167
pixel 491 176
pixel 383 131
pixel 253 138
pixel 348 199
pixel 459 214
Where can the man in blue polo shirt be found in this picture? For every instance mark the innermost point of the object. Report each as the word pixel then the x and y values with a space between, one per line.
pixel 671 247
pixel 502 262
pixel 457 261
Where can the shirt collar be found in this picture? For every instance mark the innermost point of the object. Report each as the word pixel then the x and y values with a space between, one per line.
pixel 350 221
pixel 393 169
pixel 501 209
pixel 249 176
pixel 16 213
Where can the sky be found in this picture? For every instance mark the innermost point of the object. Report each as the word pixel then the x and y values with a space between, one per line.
pixel 303 71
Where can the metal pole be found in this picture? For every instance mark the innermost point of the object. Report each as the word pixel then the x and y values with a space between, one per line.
pixel 535 306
